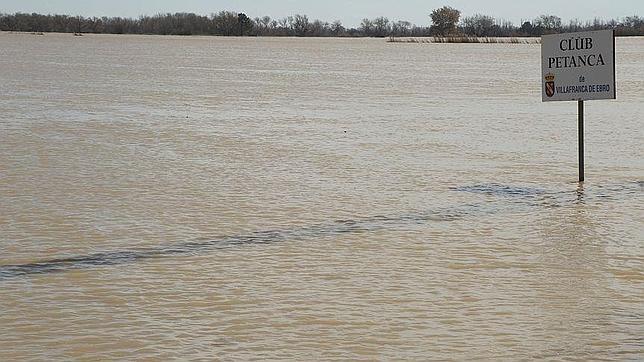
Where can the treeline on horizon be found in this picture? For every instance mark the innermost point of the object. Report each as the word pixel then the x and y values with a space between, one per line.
pixel 445 21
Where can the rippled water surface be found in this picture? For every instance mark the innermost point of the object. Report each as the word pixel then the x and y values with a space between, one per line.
pixel 305 199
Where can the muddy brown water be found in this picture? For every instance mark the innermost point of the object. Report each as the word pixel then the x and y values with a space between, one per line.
pixel 305 199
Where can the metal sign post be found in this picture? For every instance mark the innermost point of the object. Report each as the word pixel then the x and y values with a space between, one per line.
pixel 580 112
pixel 578 67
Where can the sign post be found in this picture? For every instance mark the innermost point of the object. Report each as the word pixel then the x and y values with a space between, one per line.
pixel 578 67
pixel 580 128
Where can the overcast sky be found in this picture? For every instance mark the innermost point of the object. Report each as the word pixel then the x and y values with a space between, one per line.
pixel 350 12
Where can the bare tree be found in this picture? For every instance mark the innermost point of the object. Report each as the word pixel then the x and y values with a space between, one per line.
pixel 401 28
pixel 479 25
pixel 444 20
pixel 225 23
pixel 366 26
pixel 300 24
pixel 244 23
pixel 337 28
pixel 318 28
pixel 381 26
pixel 550 23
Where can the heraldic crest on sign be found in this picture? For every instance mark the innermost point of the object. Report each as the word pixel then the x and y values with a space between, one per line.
pixel 550 84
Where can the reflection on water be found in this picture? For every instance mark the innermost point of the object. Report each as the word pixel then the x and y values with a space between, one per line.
pixel 571 299
pixel 580 193
pixel 234 199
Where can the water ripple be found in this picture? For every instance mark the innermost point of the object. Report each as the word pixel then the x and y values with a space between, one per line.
pixel 522 194
pixel 336 227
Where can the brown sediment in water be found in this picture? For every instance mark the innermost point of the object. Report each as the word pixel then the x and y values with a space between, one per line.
pixel 445 224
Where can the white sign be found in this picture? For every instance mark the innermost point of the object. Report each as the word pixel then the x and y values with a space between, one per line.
pixel 578 66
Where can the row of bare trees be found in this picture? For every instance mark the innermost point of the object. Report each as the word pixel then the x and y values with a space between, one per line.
pixel 445 21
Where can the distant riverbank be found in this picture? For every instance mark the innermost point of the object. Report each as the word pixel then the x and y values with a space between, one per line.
pixel 395 40
pixel 403 40
pixel 445 22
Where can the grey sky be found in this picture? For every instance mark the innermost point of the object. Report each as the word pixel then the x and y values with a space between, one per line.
pixel 350 12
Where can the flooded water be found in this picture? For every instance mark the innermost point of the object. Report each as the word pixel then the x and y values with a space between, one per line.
pixel 304 199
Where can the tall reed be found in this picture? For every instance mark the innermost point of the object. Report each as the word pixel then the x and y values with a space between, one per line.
pixel 466 39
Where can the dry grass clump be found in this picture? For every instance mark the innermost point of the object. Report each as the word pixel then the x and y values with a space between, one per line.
pixel 466 40
pixel 409 40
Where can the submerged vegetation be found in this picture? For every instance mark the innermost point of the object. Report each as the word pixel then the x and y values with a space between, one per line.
pixel 446 25
pixel 466 39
